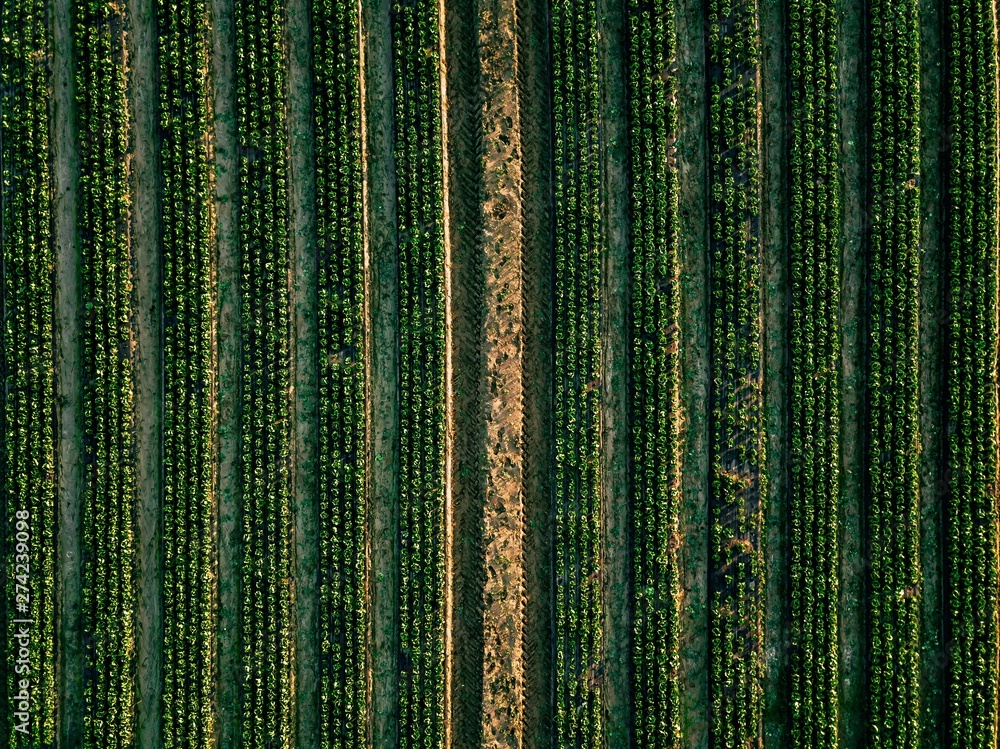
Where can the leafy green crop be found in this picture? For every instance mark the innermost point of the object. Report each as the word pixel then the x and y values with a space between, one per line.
pixel 815 373
pixel 736 447
pixel 267 635
pixel 971 510
pixel 655 394
pixel 27 541
pixel 342 375
pixel 108 547
pixel 578 245
pixel 893 436
pixel 422 348
pixel 187 359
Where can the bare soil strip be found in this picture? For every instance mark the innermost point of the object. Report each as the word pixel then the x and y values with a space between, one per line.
pixel 692 143
pixel 852 525
pixel 933 352
pixel 229 384
pixel 774 98
pixel 500 441
pixel 616 589
pixel 69 382
pixel 503 518
pixel 534 70
pixel 304 300
pixel 465 469
pixel 382 371
pixel 146 238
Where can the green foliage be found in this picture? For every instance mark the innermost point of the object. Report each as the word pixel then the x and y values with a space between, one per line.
pixel 893 406
pixel 422 348
pixel 578 245
pixel 342 375
pixel 971 511
pixel 816 215
pixel 736 447
pixel 655 388
pixel 267 635
pixel 27 454
pixel 103 207
pixel 184 90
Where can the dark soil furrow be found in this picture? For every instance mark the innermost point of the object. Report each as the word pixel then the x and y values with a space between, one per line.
pixel 304 303
pixel 382 374
pixel 146 247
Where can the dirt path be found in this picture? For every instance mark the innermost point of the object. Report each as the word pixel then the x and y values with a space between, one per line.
pixel 776 305
pixel 693 553
pixel 500 441
pixel 853 567
pixel 465 480
pixel 147 322
pixel 304 300
pixel 503 407
pixel 382 371
pixel 539 439
pixel 933 354
pixel 69 383
pixel 227 394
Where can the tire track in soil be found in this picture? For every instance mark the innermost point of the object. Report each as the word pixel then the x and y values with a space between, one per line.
pixel 538 236
pixel 465 467
pixel 500 442
pixel 503 347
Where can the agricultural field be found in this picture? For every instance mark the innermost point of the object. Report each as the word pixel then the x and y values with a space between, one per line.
pixel 577 402
pixel 893 436
pixel 657 379
pixel 27 488
pixel 419 189
pixel 340 250
pixel 432 374
pixel 107 587
pixel 814 353
pixel 971 403
pixel 266 669
pixel 187 374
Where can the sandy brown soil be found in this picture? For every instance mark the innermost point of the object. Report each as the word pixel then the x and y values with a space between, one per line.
pixel 499 457
pixel 503 407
